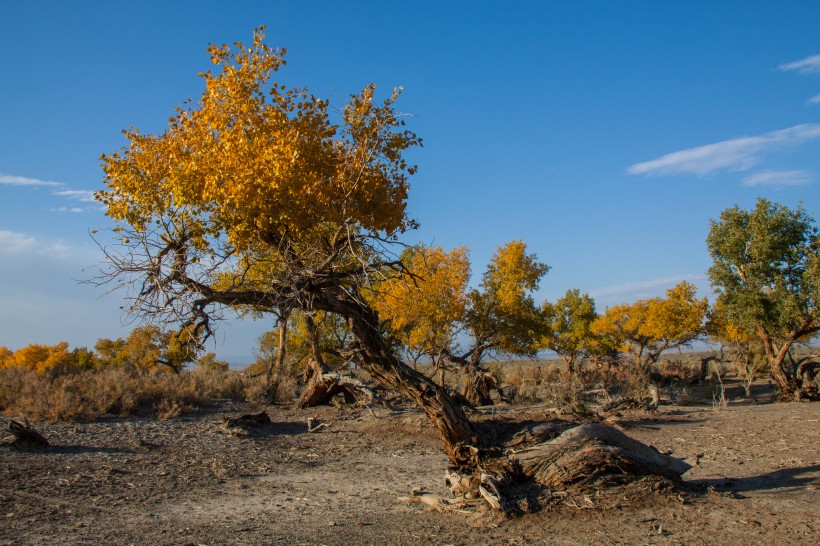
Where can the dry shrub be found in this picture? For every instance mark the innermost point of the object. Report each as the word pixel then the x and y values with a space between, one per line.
pixel 526 375
pixel 114 391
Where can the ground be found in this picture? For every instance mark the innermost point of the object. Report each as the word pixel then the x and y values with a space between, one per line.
pixel 185 481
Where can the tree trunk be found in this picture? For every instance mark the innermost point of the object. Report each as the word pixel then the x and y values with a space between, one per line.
pixel 377 358
pixel 783 372
pixel 323 386
pixel 478 385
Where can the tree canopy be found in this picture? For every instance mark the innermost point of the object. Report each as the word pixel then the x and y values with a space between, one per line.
pixel 568 329
pixel 647 328
pixel 258 198
pixel 766 272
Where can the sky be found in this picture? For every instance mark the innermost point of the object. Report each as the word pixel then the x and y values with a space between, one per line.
pixel 604 134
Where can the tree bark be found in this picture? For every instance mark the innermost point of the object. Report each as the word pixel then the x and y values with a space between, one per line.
pixel 591 451
pixel 478 385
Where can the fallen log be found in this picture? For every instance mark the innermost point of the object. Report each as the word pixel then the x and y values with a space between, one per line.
pixel 245 424
pixel 587 452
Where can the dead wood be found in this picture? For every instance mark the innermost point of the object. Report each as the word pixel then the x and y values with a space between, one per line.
pixel 244 424
pixel 650 403
pixel 323 387
pixel 314 425
pixel 25 435
pixel 588 452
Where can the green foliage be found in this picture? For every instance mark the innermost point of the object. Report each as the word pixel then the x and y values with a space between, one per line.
pixel 766 269
pixel 766 272
pixel 569 326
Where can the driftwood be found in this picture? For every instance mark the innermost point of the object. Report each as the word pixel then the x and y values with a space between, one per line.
pixel 651 403
pixel 25 435
pixel 314 425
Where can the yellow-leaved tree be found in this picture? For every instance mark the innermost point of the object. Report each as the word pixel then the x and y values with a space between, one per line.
pixel 258 198
pixel 424 309
pixel 647 328
pixel 501 317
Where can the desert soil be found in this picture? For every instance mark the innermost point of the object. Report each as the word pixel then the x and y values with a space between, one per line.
pixel 185 481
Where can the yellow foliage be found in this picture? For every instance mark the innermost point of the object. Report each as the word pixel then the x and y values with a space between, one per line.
pixel 512 274
pixel 253 159
pixel 424 308
pixel 38 358
pixel 648 327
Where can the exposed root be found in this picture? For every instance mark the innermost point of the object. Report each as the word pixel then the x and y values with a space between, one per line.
pixel 551 462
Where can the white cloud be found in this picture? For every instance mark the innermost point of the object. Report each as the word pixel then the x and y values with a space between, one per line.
pixel 809 65
pixel 86 196
pixel 68 209
pixel 14 242
pixel 642 289
pixel 11 180
pixel 737 154
pixel 814 100
pixel 779 178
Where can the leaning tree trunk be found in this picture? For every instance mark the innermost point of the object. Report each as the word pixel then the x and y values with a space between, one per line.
pixel 783 373
pixel 376 357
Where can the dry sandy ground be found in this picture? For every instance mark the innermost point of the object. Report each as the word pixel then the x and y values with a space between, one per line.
pixel 184 481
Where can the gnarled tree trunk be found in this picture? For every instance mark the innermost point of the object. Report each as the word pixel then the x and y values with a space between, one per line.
pixel 478 386
pixel 376 357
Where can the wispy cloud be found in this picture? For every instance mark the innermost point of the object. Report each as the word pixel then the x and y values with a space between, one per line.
pixel 68 209
pixel 11 180
pixel 86 196
pixel 738 154
pixel 809 65
pixel 642 289
pixel 814 100
pixel 780 179
pixel 14 242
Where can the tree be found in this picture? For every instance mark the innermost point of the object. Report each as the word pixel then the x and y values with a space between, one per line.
pixel 501 316
pixel 42 358
pixel 209 362
pixel 647 328
pixel 568 329
pixel 254 199
pixel 424 309
pixel 766 273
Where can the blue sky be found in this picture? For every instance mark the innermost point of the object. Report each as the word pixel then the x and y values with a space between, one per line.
pixel 605 134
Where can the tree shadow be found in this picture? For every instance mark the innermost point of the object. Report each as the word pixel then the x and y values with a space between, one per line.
pixel 778 479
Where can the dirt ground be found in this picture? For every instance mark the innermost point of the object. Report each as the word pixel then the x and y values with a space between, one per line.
pixel 184 481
